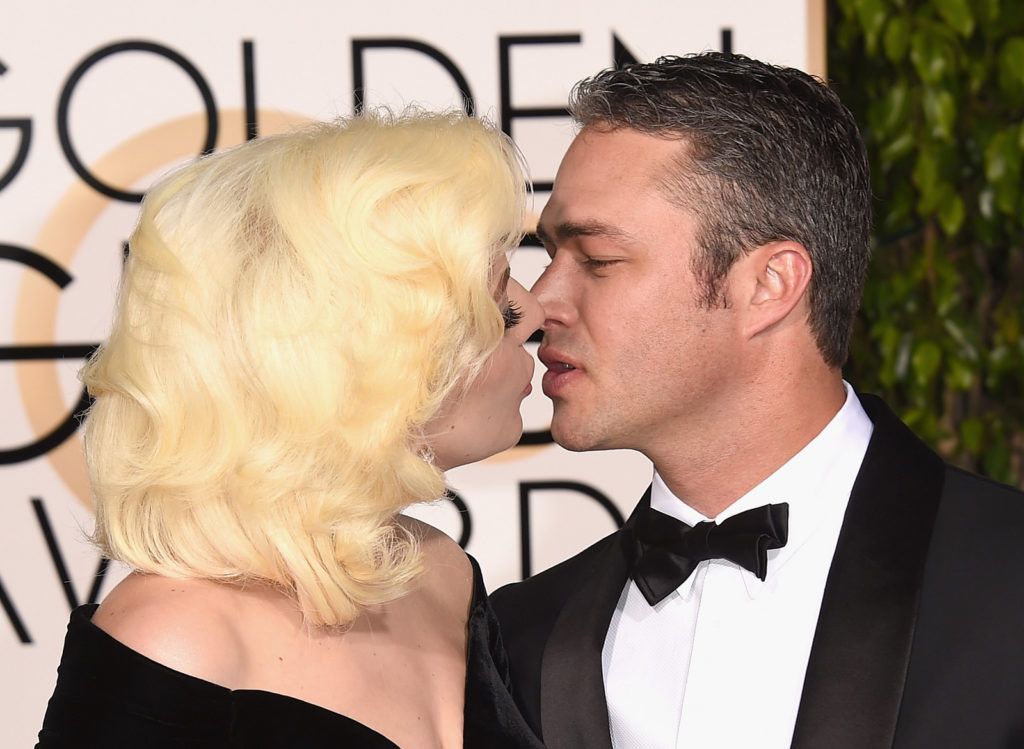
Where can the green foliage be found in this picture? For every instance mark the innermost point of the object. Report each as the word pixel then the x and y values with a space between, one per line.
pixel 938 89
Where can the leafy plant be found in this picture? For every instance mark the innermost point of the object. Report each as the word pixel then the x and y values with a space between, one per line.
pixel 938 89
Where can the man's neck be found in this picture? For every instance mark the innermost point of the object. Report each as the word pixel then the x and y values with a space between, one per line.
pixel 723 461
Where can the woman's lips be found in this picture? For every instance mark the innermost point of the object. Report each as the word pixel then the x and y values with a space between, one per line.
pixel 531 366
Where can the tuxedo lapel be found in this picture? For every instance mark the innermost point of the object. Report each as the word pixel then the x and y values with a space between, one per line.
pixel 859 659
pixel 575 710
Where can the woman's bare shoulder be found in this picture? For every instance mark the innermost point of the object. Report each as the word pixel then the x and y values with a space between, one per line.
pixel 448 572
pixel 183 624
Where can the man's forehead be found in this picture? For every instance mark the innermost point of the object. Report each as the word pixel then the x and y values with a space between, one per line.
pixel 604 168
pixel 608 210
pixel 626 147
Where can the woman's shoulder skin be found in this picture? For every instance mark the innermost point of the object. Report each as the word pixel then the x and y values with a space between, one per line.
pixel 188 625
pixel 254 638
pixel 210 629
pixel 448 573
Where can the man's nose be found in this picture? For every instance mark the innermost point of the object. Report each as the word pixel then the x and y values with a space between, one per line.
pixel 555 294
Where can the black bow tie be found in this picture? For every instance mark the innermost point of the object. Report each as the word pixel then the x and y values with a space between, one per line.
pixel 667 551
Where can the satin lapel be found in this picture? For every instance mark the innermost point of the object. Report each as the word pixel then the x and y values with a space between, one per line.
pixel 861 650
pixel 574 710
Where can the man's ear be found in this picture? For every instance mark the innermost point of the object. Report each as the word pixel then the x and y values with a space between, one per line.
pixel 774 282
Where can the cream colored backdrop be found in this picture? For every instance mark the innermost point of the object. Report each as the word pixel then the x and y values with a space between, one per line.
pixel 97 99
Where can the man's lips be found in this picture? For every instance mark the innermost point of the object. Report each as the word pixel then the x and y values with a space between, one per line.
pixel 555 360
pixel 562 371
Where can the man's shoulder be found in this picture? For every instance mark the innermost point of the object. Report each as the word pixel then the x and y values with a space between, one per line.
pixel 545 592
pixel 978 529
pixel 976 503
pixel 895 450
pixel 962 485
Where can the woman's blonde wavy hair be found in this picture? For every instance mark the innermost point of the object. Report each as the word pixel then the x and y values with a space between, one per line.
pixel 293 311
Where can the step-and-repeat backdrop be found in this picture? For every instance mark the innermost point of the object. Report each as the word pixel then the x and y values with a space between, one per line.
pixel 98 99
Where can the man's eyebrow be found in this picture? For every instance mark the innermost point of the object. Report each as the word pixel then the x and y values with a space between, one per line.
pixel 569 229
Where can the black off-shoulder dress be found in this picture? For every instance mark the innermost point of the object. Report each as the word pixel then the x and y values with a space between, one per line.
pixel 110 696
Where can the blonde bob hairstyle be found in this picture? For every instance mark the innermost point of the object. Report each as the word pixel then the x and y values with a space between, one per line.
pixel 292 313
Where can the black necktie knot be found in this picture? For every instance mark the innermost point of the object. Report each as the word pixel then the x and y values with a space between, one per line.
pixel 667 550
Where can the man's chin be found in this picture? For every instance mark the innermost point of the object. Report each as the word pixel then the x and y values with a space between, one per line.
pixel 575 437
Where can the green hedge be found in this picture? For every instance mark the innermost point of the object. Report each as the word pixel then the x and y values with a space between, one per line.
pixel 938 89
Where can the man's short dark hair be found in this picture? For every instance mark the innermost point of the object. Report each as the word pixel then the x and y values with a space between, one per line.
pixel 769 153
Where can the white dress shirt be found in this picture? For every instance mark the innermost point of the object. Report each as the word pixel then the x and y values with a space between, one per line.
pixel 720 662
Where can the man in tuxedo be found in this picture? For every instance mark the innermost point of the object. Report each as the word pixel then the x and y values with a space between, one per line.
pixel 803 571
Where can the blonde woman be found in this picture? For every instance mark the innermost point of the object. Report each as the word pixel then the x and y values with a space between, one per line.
pixel 311 328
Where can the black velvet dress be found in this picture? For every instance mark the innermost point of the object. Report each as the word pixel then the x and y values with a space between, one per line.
pixel 108 695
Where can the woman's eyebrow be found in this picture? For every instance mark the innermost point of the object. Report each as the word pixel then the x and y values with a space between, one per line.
pixel 503 283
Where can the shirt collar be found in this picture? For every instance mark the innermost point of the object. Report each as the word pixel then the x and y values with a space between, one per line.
pixel 815 481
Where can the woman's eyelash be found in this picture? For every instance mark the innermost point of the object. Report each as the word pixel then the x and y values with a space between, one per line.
pixel 512 314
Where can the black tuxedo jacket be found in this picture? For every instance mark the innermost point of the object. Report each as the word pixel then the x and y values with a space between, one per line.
pixel 920 638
